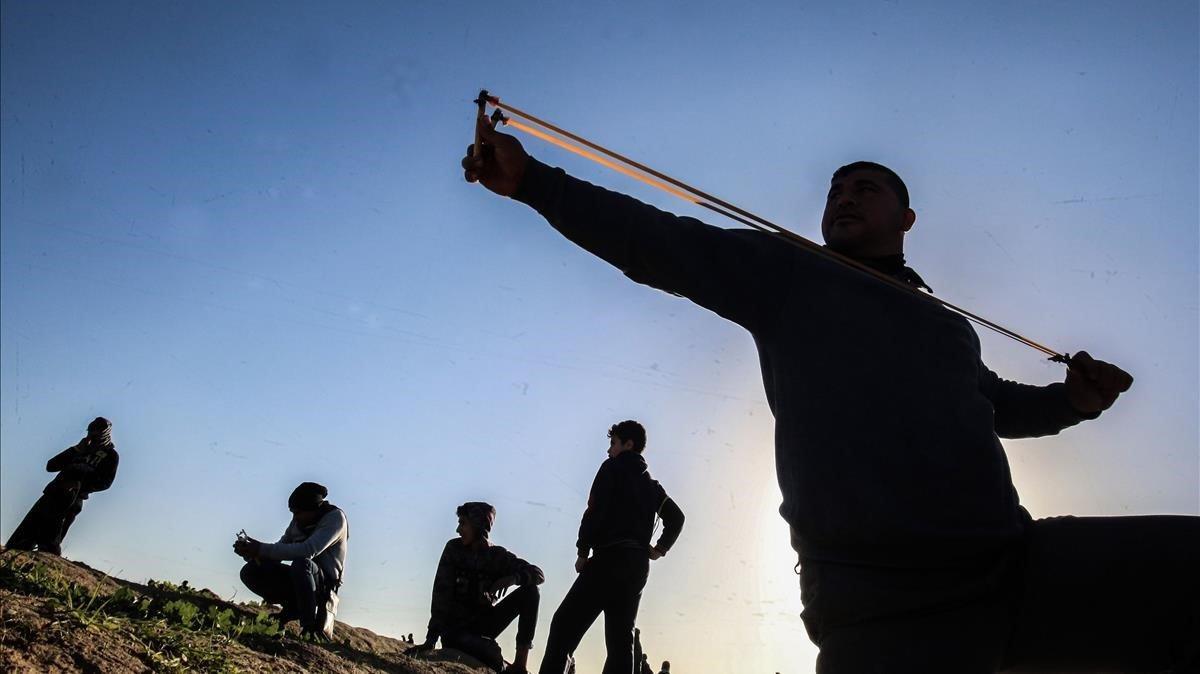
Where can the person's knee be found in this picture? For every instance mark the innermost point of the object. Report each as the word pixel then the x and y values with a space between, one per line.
pixel 528 594
pixel 302 569
pixel 249 574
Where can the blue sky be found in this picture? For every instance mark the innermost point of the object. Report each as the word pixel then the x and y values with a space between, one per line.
pixel 242 234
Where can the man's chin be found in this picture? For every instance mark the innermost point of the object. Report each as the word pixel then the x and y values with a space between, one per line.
pixel 843 244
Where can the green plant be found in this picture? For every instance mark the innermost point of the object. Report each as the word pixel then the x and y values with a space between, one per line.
pixel 175 634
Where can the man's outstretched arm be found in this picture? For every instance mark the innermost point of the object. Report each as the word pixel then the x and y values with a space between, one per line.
pixel 63 460
pixel 1025 411
pixel 734 272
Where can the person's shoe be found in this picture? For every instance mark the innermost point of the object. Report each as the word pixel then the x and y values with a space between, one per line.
pixel 513 669
pixel 315 634
pixel 50 549
pixel 285 616
pixel 322 627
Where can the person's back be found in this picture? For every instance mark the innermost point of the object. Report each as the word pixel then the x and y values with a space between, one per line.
pixel 625 503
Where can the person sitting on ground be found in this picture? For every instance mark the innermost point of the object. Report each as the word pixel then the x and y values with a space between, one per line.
pixel 83 469
pixel 467 611
pixel 315 543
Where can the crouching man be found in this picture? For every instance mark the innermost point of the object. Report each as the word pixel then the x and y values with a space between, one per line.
pixel 467 610
pixel 315 544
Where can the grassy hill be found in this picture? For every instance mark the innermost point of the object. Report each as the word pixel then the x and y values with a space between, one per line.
pixel 63 616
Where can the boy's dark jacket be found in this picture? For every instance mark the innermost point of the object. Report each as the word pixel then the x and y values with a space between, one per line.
pixel 622 507
pixel 463 578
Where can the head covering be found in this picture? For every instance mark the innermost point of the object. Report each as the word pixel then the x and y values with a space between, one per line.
pixel 99 432
pixel 308 496
pixel 481 516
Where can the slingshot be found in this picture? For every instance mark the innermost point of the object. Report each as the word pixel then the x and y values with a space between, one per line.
pixel 540 128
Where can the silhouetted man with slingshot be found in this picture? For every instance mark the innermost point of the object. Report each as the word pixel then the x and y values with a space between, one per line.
pixel 916 555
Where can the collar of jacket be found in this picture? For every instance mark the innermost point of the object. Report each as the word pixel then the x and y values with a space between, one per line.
pixel 893 265
pixel 631 456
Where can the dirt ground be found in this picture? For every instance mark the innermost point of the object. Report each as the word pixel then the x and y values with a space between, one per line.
pixel 43 634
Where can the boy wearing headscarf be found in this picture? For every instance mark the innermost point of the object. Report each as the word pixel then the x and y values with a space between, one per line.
pixel 87 467
pixel 468 611
pixel 315 543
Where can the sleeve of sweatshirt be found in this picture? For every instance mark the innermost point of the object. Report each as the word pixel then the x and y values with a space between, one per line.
pixel 522 571
pixel 733 272
pixel 62 460
pixel 443 596
pixel 672 518
pixel 330 530
pixel 597 506
pixel 1026 411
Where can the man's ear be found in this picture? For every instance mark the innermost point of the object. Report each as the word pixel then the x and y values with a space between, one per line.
pixel 909 219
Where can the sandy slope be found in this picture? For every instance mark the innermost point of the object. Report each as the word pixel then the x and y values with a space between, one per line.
pixel 41 632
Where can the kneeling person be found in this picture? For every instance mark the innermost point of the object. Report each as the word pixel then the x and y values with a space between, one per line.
pixel 471 576
pixel 315 544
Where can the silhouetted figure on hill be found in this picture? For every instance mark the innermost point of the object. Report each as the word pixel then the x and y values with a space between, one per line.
pixel 314 543
pixel 638 654
pixel 915 552
pixel 616 529
pixel 640 659
pixel 666 668
pixel 83 469
pixel 469 607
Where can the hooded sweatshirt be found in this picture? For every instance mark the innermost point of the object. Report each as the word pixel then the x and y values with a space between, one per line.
pixel 324 543
pixel 622 507
pixel 887 421
pixel 93 464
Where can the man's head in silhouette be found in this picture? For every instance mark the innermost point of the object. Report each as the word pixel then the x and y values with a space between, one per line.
pixel 475 520
pixel 306 501
pixel 866 212
pixel 627 436
pixel 99 431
